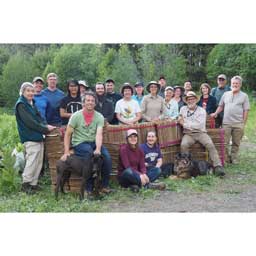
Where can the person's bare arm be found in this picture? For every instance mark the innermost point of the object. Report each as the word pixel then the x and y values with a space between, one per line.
pixel 98 140
pixel 245 116
pixel 67 139
pixel 64 113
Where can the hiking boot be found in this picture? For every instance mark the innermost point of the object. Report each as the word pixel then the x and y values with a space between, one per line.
pixel 106 191
pixel 157 185
pixel 219 171
pixel 135 188
pixel 36 187
pixel 27 188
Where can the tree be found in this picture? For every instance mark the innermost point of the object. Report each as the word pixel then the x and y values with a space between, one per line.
pixel 162 59
pixel 15 72
pixel 224 58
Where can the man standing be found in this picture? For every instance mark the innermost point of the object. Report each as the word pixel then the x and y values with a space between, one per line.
pixel 112 96
pixel 54 96
pixel 193 120
pixel 127 110
pixel 187 87
pixel 41 101
pixel 84 87
pixel 217 92
pixel 104 106
pixel 236 107
pixel 85 127
pixel 162 82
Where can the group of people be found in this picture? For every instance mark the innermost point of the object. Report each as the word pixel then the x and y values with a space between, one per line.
pixel 85 110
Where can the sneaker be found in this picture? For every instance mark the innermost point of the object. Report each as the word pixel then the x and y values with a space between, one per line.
pixel 219 171
pixel 135 188
pixel 234 161
pixel 157 185
pixel 89 195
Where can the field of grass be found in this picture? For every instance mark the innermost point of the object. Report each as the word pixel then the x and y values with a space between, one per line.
pixel 12 200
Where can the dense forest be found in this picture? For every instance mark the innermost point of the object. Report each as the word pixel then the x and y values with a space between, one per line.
pixel 124 63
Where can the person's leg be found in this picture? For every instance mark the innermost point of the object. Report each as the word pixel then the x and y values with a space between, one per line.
pixel 85 150
pixel 32 167
pixel 107 167
pixel 206 141
pixel 186 143
pixel 228 131
pixel 166 170
pixel 237 134
pixel 128 178
pixel 153 173
pixel 39 162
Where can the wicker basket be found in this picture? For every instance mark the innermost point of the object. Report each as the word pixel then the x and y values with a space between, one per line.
pixel 168 133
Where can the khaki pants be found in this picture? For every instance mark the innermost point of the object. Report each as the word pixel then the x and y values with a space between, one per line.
pixel 34 153
pixel 236 132
pixel 189 139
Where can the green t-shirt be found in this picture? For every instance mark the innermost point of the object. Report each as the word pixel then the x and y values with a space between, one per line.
pixel 82 132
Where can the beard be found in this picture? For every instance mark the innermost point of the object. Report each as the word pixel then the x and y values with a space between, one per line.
pixel 191 105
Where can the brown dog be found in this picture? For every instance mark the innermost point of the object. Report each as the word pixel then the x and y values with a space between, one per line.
pixel 86 168
pixel 185 167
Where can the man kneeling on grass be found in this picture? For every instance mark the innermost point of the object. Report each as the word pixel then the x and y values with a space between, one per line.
pixel 132 172
pixel 193 120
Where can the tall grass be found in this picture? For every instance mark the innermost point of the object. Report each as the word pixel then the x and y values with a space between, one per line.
pixel 250 129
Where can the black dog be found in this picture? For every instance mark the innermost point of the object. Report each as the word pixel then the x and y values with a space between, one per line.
pixel 185 167
pixel 84 167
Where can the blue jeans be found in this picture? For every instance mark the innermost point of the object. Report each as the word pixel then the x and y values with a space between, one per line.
pixel 130 177
pixel 86 149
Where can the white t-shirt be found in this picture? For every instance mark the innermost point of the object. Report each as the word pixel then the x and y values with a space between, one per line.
pixel 127 109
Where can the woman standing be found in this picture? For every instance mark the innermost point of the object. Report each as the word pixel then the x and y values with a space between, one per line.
pixel 132 171
pixel 207 101
pixel 31 128
pixel 178 96
pixel 152 106
pixel 170 105
pixel 72 102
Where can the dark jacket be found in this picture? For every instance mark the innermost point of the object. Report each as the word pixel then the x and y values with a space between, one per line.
pixel 114 98
pixel 211 104
pixel 31 125
pixel 105 107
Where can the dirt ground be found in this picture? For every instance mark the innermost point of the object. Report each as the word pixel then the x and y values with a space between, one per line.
pixel 227 196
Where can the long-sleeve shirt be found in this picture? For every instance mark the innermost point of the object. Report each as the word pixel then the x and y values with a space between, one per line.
pixel 131 158
pixel 152 107
pixel 194 120
pixel 171 109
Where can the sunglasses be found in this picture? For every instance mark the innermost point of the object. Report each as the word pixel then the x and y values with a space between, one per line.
pixel 221 79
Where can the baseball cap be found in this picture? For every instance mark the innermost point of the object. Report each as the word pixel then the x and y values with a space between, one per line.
pixel 222 76
pixel 131 132
pixel 38 78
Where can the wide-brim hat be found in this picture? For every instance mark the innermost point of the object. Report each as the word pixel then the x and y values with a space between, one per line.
pixel 190 94
pixel 126 86
pixel 169 88
pixel 179 87
pixel 153 82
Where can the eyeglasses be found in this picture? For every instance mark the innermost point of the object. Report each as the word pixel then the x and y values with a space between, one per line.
pixel 221 79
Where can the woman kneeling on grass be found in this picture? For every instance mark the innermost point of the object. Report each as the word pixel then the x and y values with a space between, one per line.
pixel 31 127
pixel 132 171
pixel 153 156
